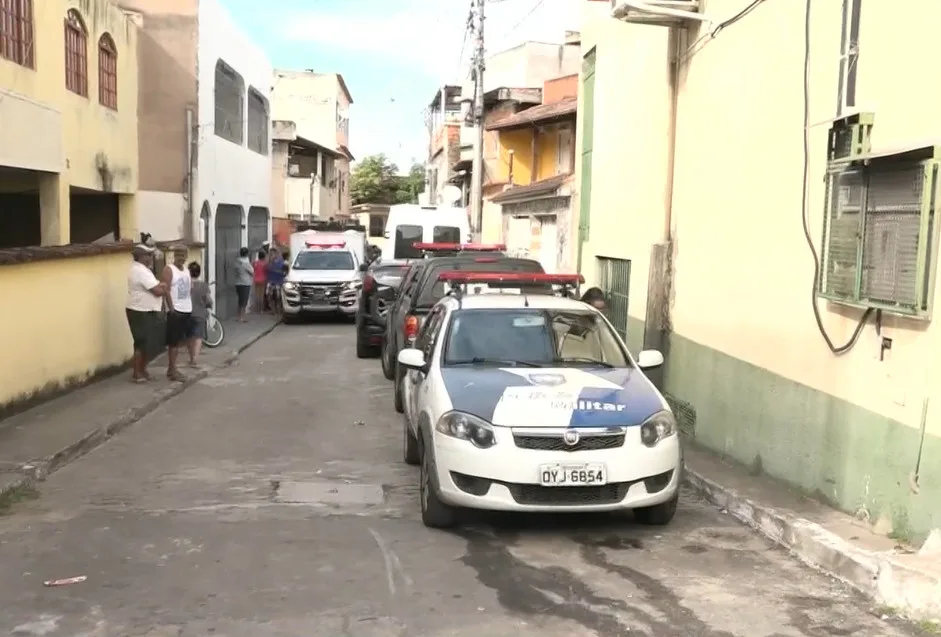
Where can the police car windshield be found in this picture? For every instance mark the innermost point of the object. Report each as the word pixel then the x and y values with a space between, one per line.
pixel 562 338
pixel 324 260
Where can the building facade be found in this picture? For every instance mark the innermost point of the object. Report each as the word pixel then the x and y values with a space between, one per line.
pixel 303 176
pixel 68 185
pixel 319 105
pixel 715 196
pixel 205 128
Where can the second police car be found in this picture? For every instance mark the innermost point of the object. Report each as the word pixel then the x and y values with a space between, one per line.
pixel 530 401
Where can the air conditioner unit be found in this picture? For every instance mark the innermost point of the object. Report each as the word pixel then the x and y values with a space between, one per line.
pixel 849 138
pixel 665 13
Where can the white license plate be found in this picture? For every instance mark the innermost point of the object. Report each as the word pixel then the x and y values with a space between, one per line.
pixel 572 475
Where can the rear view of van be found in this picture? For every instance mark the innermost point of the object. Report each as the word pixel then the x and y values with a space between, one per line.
pixel 409 224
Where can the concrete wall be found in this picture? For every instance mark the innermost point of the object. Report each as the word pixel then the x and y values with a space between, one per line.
pixel 529 64
pixel 228 173
pixel 746 353
pixel 167 45
pixel 47 127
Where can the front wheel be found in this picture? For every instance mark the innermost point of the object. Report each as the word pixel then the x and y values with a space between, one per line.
pixel 658 514
pixel 398 399
pixel 215 332
pixel 435 514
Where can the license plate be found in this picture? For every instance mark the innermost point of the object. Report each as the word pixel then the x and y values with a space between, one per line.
pixel 572 475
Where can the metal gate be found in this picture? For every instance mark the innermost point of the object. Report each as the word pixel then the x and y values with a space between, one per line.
pixel 257 229
pixel 227 245
pixel 614 279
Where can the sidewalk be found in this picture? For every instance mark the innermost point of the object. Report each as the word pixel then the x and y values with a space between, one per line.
pixel 897 578
pixel 38 441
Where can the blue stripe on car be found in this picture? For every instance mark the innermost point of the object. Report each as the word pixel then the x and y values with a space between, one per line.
pixel 478 390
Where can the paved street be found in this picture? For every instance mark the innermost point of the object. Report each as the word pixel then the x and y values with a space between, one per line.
pixel 269 500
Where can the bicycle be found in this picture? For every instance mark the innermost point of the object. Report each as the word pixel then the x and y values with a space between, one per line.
pixel 215 331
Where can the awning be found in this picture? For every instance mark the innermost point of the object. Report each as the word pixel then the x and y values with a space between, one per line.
pixel 531 191
pixel 542 114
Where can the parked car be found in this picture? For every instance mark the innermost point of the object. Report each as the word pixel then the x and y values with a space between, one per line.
pixel 532 402
pixel 381 282
pixel 421 289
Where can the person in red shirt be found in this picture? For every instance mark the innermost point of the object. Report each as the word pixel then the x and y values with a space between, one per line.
pixel 259 281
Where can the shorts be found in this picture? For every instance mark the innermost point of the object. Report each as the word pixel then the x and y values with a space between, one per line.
pixel 143 329
pixel 179 328
pixel 200 330
pixel 243 292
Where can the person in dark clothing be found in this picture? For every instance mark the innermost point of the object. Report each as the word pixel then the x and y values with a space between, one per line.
pixel 595 298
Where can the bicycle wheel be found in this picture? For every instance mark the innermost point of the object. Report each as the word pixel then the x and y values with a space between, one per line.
pixel 215 332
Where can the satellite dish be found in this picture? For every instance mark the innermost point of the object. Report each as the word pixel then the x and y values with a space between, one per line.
pixel 450 195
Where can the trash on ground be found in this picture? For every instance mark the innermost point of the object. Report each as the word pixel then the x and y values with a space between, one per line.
pixel 66 581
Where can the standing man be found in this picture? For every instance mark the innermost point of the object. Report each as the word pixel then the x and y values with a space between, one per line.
pixel 244 274
pixel 144 293
pixel 179 309
pixel 276 276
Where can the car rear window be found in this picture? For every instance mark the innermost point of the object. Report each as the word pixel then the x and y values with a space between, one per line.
pixel 405 238
pixel 432 290
pixel 390 274
pixel 446 234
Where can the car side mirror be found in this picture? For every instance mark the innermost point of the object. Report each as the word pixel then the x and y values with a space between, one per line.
pixel 650 359
pixel 411 358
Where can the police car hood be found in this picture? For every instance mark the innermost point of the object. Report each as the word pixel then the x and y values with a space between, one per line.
pixel 553 397
pixel 321 276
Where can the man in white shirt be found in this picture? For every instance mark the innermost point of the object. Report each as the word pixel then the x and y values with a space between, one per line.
pixel 143 307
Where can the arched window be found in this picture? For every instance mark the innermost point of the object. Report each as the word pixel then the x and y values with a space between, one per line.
pixel 257 121
pixel 107 72
pixel 16 32
pixel 76 54
pixel 230 104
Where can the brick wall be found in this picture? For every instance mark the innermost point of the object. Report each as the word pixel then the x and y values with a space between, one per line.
pixel 559 88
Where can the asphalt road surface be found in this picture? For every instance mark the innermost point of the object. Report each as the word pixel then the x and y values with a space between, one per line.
pixel 270 500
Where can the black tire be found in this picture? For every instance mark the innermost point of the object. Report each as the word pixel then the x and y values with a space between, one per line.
pixel 397 398
pixel 659 514
pixel 288 319
pixel 364 349
pixel 388 368
pixel 410 452
pixel 435 514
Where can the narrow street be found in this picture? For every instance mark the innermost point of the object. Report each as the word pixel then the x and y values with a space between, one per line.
pixel 270 500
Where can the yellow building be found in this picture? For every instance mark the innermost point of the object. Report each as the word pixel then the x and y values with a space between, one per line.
pixel 700 192
pixel 68 177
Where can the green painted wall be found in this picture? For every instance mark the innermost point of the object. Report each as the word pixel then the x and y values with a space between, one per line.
pixel 838 452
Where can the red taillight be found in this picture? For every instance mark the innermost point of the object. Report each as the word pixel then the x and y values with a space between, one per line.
pixel 411 328
pixel 369 283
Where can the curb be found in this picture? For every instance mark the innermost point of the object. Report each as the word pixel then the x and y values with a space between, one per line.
pixel 914 593
pixel 38 470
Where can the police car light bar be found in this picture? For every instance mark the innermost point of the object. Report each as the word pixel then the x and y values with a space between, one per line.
pixel 457 277
pixel 324 246
pixel 460 247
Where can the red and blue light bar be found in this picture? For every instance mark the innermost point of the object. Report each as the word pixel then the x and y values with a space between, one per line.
pixel 326 246
pixel 460 247
pixel 458 277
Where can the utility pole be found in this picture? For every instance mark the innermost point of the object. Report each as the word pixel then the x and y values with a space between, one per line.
pixel 477 171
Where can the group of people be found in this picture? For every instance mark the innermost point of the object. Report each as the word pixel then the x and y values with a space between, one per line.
pixel 186 299
pixel 258 284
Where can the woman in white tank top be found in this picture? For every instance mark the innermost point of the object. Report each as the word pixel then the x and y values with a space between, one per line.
pixel 180 327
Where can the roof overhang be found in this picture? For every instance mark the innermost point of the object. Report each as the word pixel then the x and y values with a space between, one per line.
pixel 344 88
pixel 537 190
pixel 345 152
pixel 563 110
pixel 521 95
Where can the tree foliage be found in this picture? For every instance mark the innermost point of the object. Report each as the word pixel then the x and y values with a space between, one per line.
pixel 375 179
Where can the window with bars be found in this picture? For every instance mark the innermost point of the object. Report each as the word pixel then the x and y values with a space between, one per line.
pixel 107 72
pixel 76 54
pixel 614 279
pixel 257 122
pixel 229 104
pixel 16 32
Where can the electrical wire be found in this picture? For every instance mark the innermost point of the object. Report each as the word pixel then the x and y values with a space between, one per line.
pixel 526 17
pixel 702 40
pixel 468 27
pixel 842 349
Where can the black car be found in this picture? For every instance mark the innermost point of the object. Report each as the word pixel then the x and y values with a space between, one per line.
pixel 380 284
pixel 421 289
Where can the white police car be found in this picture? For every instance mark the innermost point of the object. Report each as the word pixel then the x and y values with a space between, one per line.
pixel 530 401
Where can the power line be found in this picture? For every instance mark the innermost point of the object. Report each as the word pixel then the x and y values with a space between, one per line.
pixel 526 17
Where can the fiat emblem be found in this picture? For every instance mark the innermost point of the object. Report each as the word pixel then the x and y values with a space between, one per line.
pixel 570 437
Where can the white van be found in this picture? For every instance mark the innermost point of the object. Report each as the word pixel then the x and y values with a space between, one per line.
pixel 410 223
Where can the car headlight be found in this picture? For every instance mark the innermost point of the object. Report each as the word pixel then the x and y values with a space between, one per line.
pixel 658 427
pixel 290 286
pixel 463 426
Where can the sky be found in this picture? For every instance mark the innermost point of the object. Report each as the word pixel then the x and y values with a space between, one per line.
pixel 393 54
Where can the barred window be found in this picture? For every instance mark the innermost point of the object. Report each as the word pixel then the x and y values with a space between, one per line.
pixel 76 54
pixel 257 122
pixel 229 103
pixel 16 32
pixel 107 72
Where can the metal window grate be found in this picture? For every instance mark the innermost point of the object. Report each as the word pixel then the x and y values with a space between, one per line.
pixel 107 72
pixel 614 277
pixel 257 122
pixel 76 54
pixel 229 104
pixel 845 198
pixel 16 32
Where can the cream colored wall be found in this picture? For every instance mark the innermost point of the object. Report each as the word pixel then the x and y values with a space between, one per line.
pixel 92 133
pixel 93 336
pixel 627 190
pixel 743 271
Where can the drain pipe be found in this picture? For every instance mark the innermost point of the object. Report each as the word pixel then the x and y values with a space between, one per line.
pixel 189 225
pixel 677 37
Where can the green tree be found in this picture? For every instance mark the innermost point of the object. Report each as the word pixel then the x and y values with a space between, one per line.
pixel 374 180
pixel 410 185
